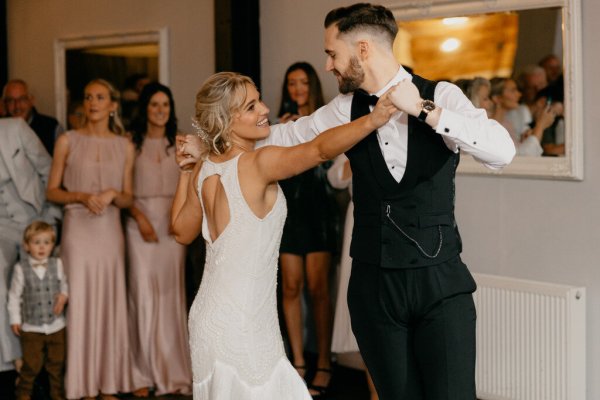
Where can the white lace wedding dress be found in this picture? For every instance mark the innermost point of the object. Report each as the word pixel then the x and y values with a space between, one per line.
pixel 236 344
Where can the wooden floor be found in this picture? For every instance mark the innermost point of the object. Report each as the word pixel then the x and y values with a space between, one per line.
pixel 346 384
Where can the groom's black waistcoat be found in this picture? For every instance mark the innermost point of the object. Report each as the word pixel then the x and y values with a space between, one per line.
pixel 421 205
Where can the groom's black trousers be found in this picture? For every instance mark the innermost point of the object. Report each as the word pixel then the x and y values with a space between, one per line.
pixel 416 329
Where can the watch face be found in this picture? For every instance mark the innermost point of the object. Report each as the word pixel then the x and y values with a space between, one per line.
pixel 428 105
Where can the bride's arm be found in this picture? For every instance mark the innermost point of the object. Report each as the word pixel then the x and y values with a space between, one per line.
pixel 277 163
pixel 186 211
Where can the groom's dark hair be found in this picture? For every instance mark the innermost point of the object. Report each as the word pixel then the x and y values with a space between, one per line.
pixel 376 18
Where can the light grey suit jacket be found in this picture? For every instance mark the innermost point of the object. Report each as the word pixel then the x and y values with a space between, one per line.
pixel 28 164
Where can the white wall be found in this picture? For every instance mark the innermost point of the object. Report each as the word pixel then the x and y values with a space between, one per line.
pixel 34 25
pixel 543 230
pixel 526 228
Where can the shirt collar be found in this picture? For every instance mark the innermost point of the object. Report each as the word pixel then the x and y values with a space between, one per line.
pixel 34 261
pixel 400 76
pixel 31 115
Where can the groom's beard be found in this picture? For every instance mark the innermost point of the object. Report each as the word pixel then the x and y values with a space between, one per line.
pixel 352 78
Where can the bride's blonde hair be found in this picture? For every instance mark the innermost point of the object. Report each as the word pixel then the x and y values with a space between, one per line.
pixel 219 98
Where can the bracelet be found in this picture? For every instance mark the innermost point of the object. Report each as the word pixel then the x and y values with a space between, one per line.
pixel 186 171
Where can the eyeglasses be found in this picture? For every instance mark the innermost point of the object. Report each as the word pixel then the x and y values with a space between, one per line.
pixel 12 100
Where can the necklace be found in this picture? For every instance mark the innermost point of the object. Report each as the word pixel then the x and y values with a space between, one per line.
pixel 239 145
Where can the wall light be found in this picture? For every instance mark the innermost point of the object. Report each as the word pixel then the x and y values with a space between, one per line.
pixel 455 20
pixel 450 45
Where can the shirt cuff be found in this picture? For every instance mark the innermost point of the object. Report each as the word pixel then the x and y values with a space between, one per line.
pixel 448 123
pixel 14 319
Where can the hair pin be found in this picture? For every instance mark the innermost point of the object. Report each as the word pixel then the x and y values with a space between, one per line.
pixel 201 133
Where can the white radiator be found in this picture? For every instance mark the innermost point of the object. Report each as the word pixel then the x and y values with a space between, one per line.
pixel 530 340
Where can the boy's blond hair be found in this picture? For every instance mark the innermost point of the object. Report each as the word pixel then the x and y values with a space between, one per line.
pixel 38 227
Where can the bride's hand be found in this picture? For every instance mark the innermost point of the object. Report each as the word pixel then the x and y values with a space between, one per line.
pixel 193 146
pixel 383 110
pixel 188 150
pixel 406 97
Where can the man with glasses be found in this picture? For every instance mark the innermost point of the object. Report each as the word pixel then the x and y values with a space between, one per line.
pixel 20 103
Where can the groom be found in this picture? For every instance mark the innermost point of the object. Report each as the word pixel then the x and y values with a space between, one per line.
pixel 410 295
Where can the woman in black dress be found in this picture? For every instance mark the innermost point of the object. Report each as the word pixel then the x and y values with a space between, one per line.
pixel 309 235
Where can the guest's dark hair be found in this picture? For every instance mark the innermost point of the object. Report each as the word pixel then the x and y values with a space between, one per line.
pixel 554 91
pixel 315 93
pixel 364 16
pixel 139 125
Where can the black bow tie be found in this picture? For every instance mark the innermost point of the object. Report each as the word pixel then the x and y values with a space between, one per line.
pixel 363 96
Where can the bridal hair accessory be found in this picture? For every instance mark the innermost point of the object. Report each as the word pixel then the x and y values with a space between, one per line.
pixel 203 135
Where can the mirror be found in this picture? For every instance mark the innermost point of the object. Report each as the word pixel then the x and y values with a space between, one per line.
pixel 502 38
pixel 114 57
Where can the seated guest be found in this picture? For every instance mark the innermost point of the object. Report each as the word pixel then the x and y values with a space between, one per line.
pixel 20 103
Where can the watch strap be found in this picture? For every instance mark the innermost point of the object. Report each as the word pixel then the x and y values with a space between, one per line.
pixel 427 106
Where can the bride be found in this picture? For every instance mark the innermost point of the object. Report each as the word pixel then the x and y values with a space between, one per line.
pixel 231 196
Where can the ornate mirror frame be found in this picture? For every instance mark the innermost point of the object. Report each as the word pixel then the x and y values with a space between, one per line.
pixel 569 167
pixel 61 45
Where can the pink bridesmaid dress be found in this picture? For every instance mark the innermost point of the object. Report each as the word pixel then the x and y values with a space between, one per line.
pixel 157 307
pixel 93 252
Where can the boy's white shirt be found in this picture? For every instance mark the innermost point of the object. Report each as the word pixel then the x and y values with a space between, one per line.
pixel 15 293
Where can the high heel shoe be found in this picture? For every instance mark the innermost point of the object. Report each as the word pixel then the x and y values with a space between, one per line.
pixel 321 391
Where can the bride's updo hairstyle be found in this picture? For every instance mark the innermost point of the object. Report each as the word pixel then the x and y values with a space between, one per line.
pixel 217 101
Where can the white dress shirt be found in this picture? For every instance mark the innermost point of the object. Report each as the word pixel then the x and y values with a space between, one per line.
pixel 462 126
pixel 17 286
pixel 335 174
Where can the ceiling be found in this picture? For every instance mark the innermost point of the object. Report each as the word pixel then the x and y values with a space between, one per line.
pixel 488 44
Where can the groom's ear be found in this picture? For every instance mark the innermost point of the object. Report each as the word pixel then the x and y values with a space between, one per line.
pixel 364 47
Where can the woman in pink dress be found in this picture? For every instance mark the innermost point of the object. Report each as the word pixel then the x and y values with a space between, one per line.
pixel 92 176
pixel 157 311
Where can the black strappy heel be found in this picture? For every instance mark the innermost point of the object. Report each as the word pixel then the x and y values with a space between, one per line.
pixel 322 391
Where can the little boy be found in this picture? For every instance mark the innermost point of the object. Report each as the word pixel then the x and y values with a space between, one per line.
pixel 36 300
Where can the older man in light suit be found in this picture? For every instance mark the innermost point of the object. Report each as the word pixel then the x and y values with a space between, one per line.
pixel 24 168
